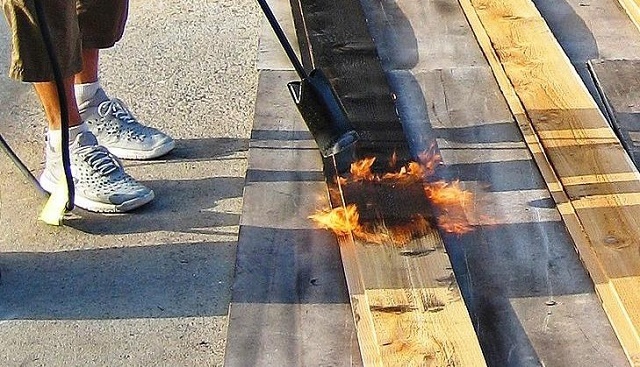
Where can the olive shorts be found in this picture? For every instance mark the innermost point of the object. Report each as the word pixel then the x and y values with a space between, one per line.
pixel 73 25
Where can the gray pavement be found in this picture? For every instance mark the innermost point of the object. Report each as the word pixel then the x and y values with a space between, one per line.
pixel 150 288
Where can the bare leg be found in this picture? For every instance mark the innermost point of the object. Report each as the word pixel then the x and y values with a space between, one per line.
pixel 48 95
pixel 89 73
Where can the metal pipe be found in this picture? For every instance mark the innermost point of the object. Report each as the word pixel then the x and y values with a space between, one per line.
pixel 21 166
pixel 283 39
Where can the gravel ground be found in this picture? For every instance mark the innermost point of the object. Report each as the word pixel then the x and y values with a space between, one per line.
pixel 149 288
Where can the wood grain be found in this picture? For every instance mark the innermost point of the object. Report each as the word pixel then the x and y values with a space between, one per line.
pixel 405 299
pixel 632 7
pixel 548 99
pixel 618 86
pixel 289 304
pixel 407 308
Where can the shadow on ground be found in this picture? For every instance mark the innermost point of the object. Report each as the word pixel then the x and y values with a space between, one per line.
pixel 183 206
pixel 176 280
pixel 168 211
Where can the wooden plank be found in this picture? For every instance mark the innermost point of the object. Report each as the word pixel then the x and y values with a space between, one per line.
pixel 289 303
pixel 521 49
pixel 392 294
pixel 404 32
pixel 590 30
pixel 271 55
pixel 619 88
pixel 632 7
pixel 408 308
pixel 519 256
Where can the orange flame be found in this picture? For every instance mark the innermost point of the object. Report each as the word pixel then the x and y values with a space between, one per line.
pixel 340 220
pixel 361 170
pixel 451 201
pixel 343 221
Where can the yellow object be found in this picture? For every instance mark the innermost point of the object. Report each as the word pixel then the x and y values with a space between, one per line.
pixel 55 208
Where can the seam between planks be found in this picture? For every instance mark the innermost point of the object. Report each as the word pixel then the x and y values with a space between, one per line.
pixel 368 304
pixel 612 302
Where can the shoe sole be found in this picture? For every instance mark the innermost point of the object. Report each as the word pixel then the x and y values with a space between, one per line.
pixel 96 206
pixel 142 154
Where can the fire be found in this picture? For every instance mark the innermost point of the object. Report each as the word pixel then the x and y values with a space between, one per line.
pixel 454 204
pixel 341 220
pixel 361 170
pixel 384 212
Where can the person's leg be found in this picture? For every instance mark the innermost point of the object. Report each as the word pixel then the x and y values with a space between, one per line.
pixel 110 119
pixel 102 25
pixel 100 181
pixel 48 94
pixel 90 66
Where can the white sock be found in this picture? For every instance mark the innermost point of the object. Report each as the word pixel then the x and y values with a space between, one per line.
pixel 85 92
pixel 55 136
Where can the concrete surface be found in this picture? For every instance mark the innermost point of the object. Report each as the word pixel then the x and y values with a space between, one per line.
pixel 150 288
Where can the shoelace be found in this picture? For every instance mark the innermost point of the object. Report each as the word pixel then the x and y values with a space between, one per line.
pixel 100 159
pixel 119 110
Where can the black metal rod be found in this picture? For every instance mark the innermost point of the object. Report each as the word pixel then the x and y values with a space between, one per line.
pixel 283 39
pixel 62 97
pixel 21 166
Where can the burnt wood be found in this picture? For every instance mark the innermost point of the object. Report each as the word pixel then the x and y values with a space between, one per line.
pixel 333 36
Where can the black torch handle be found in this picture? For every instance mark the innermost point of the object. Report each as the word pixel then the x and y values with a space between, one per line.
pixel 283 39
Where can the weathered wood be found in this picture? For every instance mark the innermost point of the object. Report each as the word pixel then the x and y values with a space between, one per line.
pixel 393 295
pixel 289 303
pixel 619 87
pixel 519 256
pixel 271 55
pixel 571 142
pixel 590 30
pixel 522 235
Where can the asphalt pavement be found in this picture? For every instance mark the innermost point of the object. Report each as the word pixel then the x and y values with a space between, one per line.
pixel 151 287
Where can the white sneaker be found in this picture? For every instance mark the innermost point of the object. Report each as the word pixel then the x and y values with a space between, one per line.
pixel 117 129
pixel 101 185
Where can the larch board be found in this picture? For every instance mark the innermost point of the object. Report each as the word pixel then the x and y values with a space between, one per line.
pixel 289 303
pixel 405 300
pixel 572 142
pixel 633 9
pixel 519 256
pixel 407 305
